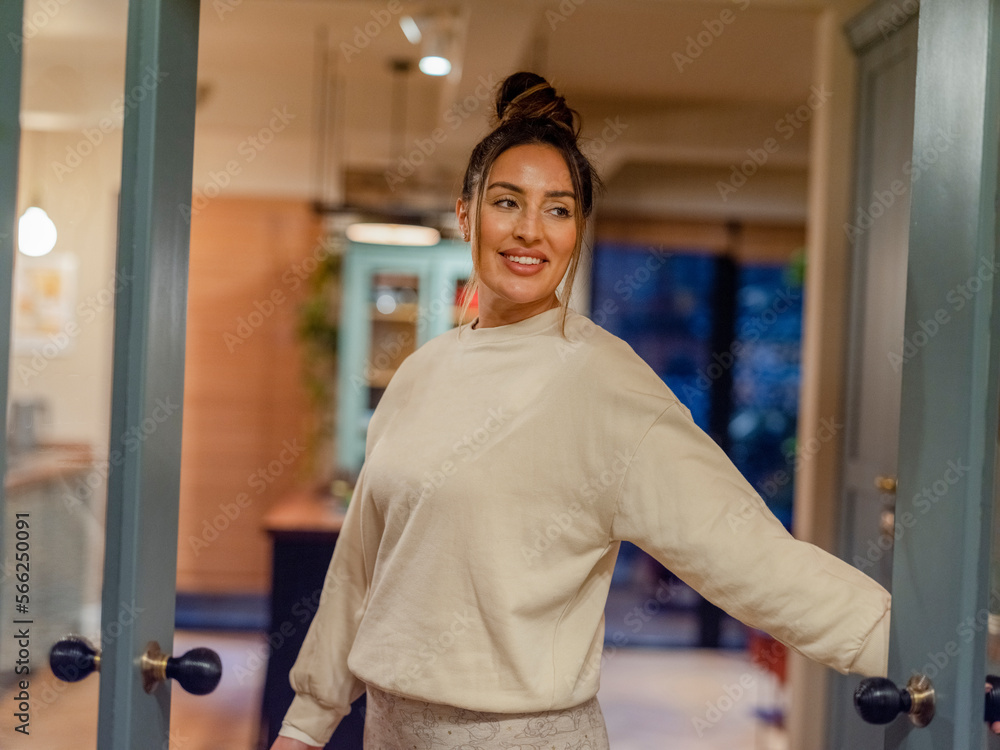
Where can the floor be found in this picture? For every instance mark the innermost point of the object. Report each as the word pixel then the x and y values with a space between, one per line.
pixel 700 700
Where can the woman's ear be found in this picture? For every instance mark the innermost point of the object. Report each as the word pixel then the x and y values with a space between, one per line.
pixel 462 212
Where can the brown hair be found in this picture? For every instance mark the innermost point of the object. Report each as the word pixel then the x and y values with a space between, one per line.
pixel 529 111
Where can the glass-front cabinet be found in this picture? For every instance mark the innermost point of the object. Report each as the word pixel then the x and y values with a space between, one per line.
pixel 394 299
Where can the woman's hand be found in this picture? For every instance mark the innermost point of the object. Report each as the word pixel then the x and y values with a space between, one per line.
pixel 287 743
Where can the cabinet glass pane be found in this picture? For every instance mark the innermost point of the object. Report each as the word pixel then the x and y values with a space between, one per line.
pixel 394 311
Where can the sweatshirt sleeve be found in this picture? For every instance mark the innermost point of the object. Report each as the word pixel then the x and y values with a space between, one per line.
pixel 685 503
pixel 324 687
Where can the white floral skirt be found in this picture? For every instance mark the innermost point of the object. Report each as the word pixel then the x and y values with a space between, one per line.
pixel 393 722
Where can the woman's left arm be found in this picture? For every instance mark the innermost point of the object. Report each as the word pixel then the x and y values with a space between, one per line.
pixel 684 502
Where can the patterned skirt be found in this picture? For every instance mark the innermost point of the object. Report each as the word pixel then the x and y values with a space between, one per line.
pixel 393 722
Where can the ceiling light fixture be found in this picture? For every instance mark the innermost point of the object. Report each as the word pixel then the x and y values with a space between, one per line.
pixel 410 28
pixel 36 233
pixel 435 65
pixel 397 229
pixel 412 235
pixel 438 33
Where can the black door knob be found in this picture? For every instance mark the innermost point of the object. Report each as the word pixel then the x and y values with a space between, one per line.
pixel 73 658
pixel 992 710
pixel 198 671
pixel 879 701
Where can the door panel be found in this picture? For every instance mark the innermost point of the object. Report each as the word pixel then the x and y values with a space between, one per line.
pixel 923 397
pixel 59 355
pixel 950 377
pixel 879 229
pixel 10 134
pixel 117 382
pixel 147 393
pixel 948 422
pixel 879 286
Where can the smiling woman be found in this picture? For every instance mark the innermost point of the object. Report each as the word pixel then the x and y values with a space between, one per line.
pixel 527 234
pixel 526 197
pixel 441 603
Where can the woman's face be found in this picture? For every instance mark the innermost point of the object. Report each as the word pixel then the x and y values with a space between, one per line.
pixel 528 233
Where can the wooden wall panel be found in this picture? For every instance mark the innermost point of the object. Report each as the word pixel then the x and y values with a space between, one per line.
pixel 246 416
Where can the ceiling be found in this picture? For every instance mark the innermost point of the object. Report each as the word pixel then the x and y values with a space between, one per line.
pixel 675 94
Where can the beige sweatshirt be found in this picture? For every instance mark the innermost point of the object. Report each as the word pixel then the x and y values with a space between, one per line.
pixel 503 467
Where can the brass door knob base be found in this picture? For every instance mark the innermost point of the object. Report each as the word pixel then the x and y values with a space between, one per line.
pixel 154 666
pixel 923 700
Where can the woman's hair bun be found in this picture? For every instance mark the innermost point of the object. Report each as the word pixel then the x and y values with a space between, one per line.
pixel 529 96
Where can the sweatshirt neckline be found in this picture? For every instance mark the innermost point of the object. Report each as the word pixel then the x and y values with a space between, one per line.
pixel 532 326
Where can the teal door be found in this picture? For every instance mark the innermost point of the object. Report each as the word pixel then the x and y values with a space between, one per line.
pixel 142 467
pixel 942 594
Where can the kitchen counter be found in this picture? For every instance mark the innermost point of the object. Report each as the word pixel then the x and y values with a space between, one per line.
pixel 305 512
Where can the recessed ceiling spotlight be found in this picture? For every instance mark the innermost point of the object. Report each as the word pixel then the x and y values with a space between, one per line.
pixel 438 48
pixel 410 28
pixel 435 65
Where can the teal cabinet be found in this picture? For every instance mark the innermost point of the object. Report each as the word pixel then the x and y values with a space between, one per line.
pixel 394 299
